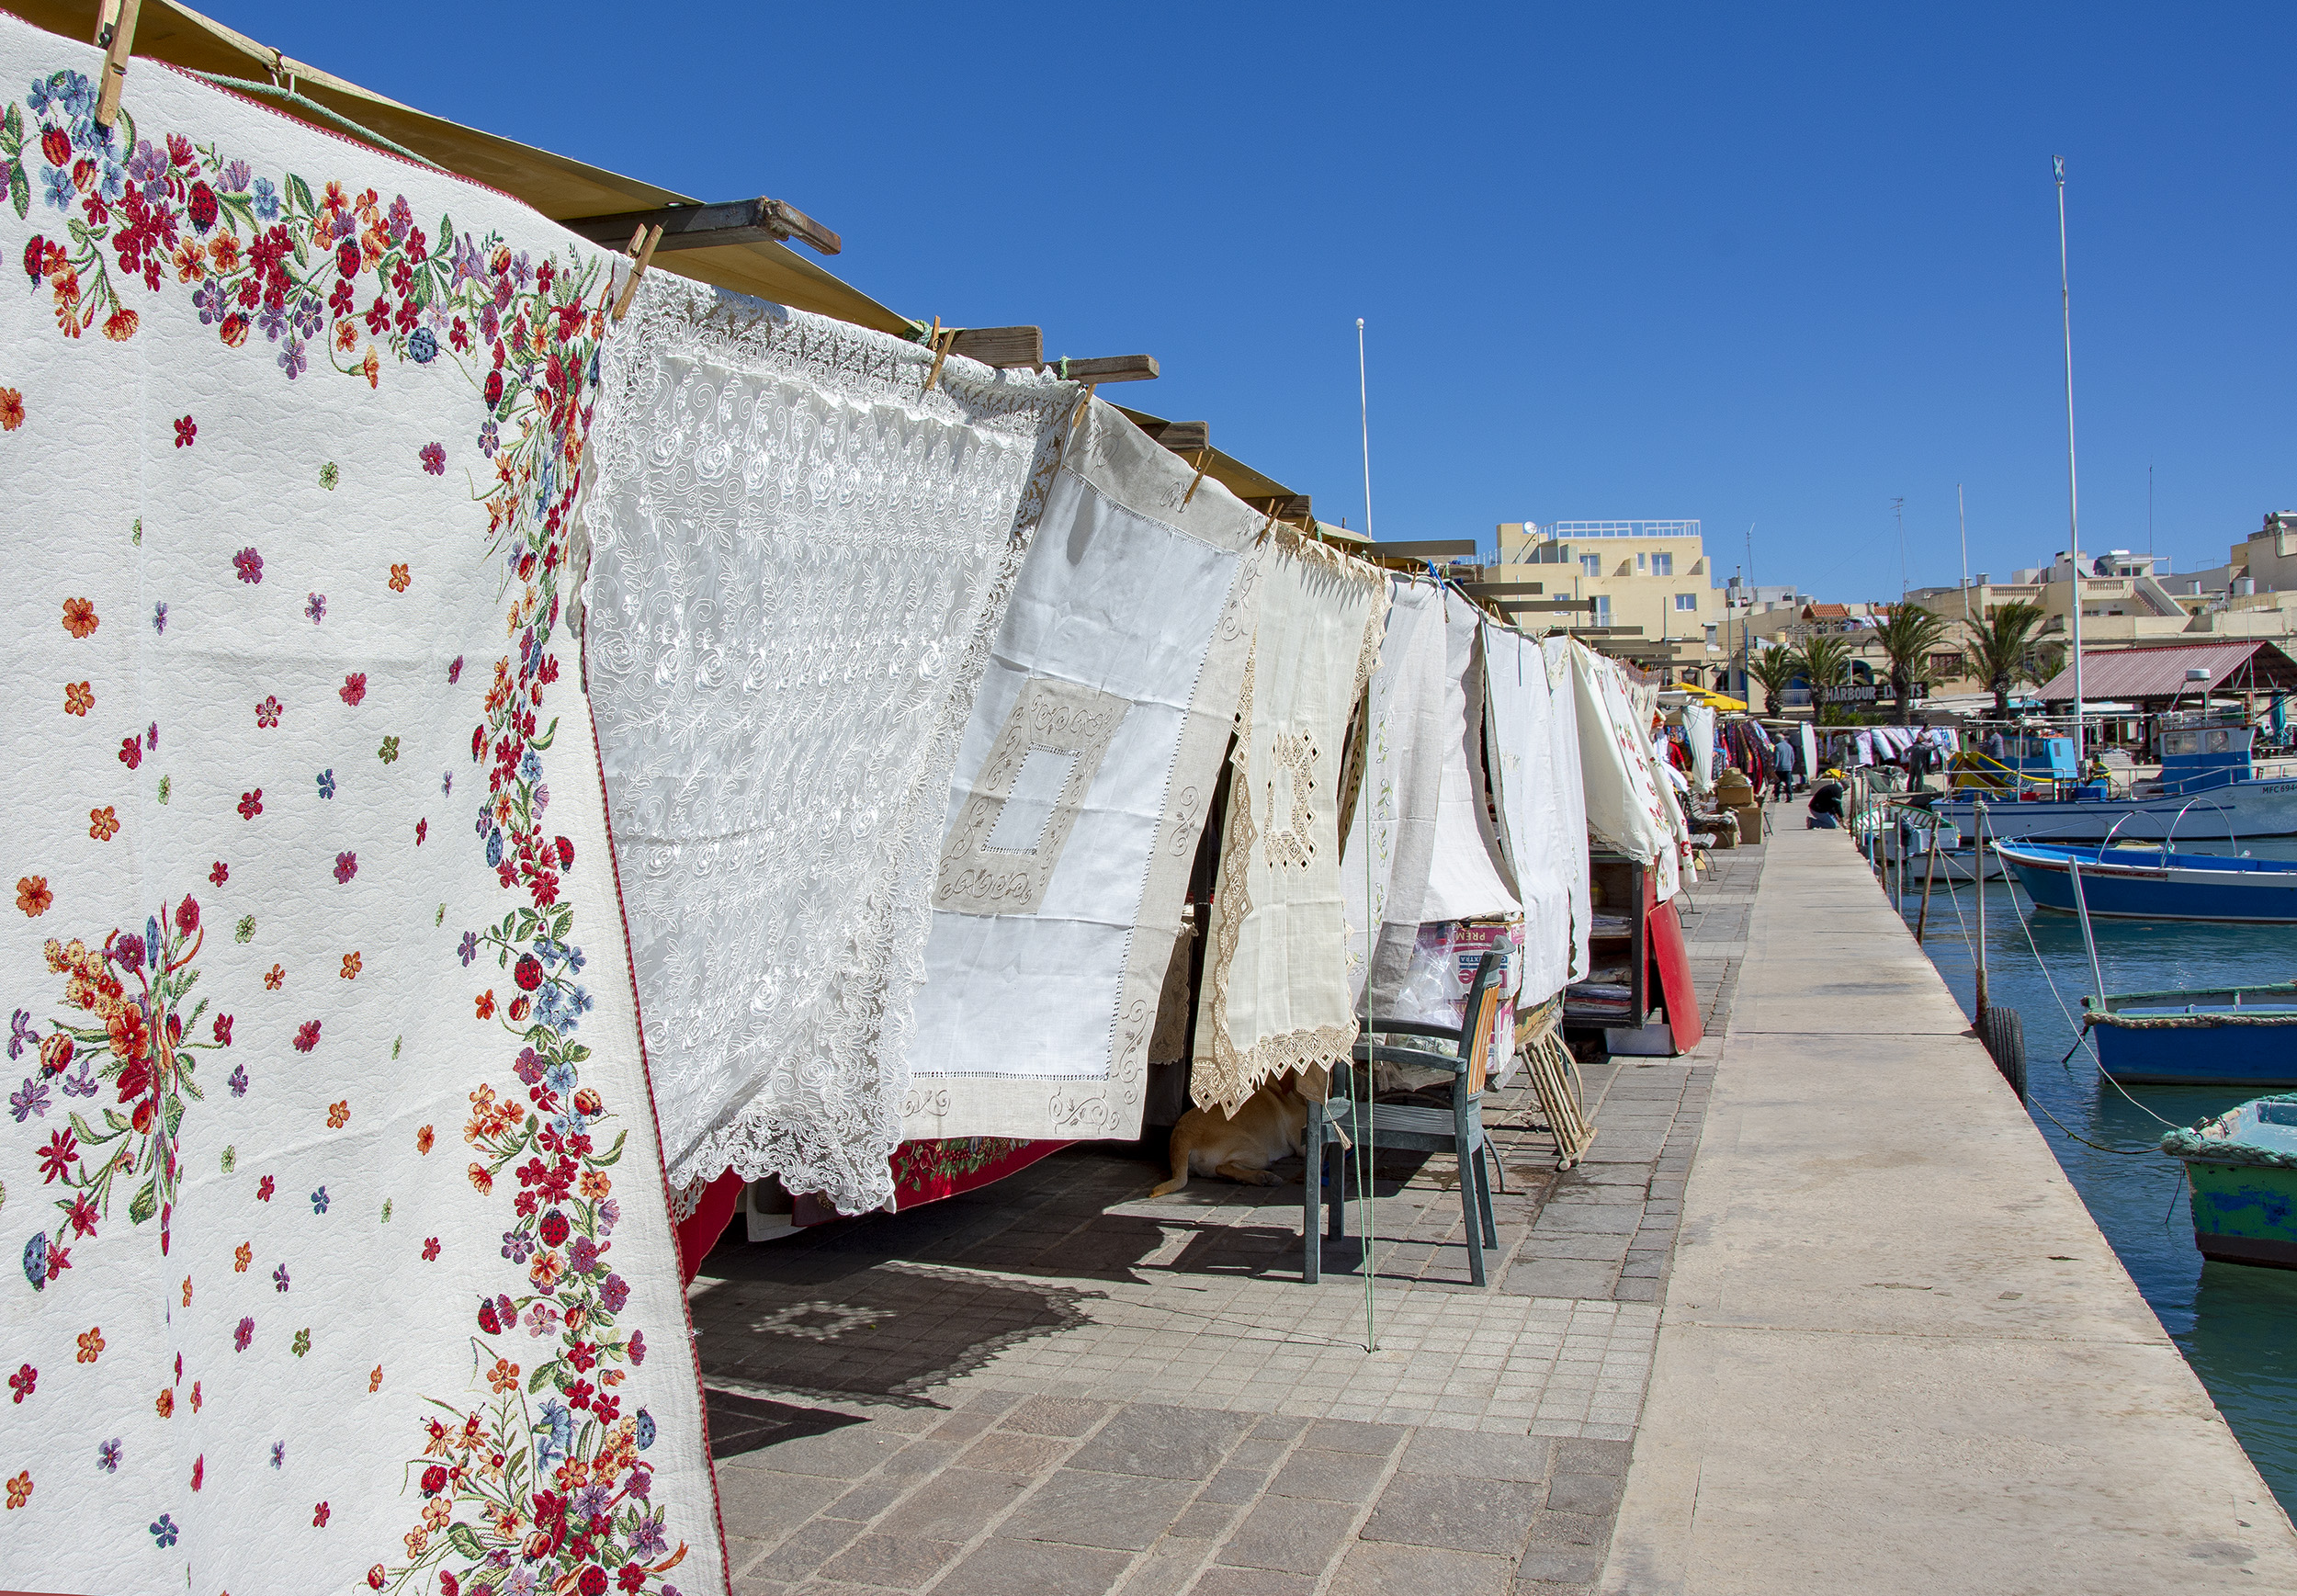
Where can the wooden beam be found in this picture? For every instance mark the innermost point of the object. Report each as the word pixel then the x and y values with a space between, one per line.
pixel 1289 507
pixel 1541 606
pixel 1501 589
pixel 1002 346
pixel 759 220
pixel 1440 549
pixel 1606 632
pixel 1182 437
pixel 1106 369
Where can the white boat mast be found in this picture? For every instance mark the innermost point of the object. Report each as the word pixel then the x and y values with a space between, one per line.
pixel 2072 497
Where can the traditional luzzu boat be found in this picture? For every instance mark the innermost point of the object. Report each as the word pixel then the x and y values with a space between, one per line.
pixel 2143 883
pixel 2208 788
pixel 2243 1169
pixel 2226 1036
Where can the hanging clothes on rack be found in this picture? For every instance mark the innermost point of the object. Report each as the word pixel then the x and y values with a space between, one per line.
pixel 289 591
pixel 1532 721
pixel 801 557
pixel 1625 805
pixel 1274 995
pixel 1080 794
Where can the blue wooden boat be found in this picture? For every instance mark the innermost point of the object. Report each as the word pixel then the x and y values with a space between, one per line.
pixel 2209 787
pixel 2141 883
pixel 2226 1036
pixel 2243 1168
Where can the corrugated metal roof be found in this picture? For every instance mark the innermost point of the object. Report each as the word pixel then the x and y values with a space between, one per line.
pixel 2159 672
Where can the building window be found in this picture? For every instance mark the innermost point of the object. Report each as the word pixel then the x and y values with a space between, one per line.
pixel 1663 565
pixel 1602 609
pixel 1686 601
pixel 1710 634
pixel 1945 667
pixel 1639 559
pixel 1592 564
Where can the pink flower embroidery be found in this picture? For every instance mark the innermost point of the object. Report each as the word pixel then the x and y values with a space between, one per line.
pixel 249 564
pixel 435 460
pixel 250 805
pixel 316 608
pixel 268 712
pixel 187 430
pixel 220 874
pixel 454 672
pixel 355 688
pixel 422 830
pixel 306 1038
pixel 132 751
pixel 346 866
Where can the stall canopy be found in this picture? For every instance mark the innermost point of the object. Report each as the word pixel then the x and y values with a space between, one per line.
pixel 562 190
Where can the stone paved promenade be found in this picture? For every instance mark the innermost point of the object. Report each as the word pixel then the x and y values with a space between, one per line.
pixel 1058 1385
pixel 1896 1354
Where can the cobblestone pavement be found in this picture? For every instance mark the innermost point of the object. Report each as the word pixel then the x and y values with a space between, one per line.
pixel 1060 1386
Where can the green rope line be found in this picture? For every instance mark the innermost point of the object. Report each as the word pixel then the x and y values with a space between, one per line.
pixel 312 107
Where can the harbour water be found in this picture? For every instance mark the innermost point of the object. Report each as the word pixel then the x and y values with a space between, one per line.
pixel 2237 1325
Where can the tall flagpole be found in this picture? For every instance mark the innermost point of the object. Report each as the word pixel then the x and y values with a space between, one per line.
pixel 1962 518
pixel 2072 496
pixel 1363 405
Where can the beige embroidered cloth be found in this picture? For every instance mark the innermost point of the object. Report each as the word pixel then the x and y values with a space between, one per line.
pixel 1275 994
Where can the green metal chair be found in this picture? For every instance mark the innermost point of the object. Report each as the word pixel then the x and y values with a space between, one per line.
pixel 1457 1129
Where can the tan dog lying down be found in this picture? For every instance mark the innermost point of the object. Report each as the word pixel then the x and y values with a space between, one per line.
pixel 1269 1127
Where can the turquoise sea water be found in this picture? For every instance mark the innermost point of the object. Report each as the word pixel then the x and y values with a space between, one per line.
pixel 2237 1324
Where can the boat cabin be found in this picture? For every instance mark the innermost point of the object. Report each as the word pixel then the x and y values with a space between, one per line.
pixel 2200 750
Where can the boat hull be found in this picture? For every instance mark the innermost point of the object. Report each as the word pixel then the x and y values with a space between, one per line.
pixel 2245 1212
pixel 2198 1051
pixel 2246 809
pixel 2137 892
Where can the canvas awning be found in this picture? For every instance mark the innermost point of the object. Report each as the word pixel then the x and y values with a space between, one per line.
pixel 560 189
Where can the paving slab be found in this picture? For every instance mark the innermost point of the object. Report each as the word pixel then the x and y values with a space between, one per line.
pixel 1870 1374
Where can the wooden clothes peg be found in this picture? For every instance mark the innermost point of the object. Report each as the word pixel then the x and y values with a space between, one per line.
pixel 119 18
pixel 1203 457
pixel 943 343
pixel 641 242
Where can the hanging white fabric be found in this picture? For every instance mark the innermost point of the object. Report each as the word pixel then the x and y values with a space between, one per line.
pixel 801 557
pixel 1274 996
pixel 1467 878
pixel 1081 790
pixel 1391 833
pixel 1699 731
pixel 1533 724
pixel 1624 807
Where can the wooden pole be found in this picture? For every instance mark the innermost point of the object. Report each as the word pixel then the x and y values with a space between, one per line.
pixel 1930 873
pixel 1978 826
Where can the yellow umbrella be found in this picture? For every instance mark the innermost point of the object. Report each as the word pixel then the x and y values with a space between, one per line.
pixel 1714 700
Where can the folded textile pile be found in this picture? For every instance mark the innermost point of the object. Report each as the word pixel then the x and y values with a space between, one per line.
pixel 1081 791
pixel 333 1270
pixel 1275 995
pixel 800 557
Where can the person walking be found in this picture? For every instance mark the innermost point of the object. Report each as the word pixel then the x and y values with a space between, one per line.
pixel 1921 759
pixel 1782 761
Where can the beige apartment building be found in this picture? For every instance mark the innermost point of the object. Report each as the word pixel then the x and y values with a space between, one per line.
pixel 1653 599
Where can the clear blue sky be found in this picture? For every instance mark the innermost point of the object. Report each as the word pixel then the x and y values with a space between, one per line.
pixel 1766 266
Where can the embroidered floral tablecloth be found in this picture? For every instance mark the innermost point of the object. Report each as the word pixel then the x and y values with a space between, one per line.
pixel 338 1255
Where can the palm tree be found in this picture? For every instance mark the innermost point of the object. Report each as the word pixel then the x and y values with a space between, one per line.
pixel 2005 651
pixel 1908 638
pixel 1774 669
pixel 1825 662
